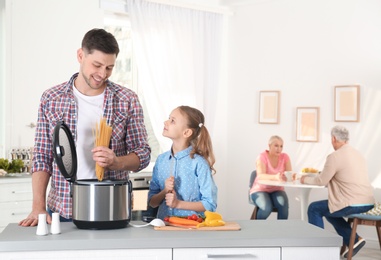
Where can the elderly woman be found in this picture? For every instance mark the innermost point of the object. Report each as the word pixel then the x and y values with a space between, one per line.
pixel 349 190
pixel 271 165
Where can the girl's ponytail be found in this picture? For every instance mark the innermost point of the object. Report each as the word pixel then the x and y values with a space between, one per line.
pixel 200 138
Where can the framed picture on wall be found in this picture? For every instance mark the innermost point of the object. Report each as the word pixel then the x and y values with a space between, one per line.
pixel 347 103
pixel 269 102
pixel 307 124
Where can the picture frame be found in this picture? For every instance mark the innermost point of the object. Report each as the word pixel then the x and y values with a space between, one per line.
pixel 269 107
pixel 347 103
pixel 307 124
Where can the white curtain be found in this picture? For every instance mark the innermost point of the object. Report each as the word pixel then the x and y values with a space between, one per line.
pixel 178 52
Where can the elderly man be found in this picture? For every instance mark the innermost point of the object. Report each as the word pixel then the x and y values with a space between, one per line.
pixel 349 190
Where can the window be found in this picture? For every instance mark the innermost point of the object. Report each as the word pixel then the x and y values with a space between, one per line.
pixel 125 71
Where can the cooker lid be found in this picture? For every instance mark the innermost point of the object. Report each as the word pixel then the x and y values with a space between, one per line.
pixel 64 151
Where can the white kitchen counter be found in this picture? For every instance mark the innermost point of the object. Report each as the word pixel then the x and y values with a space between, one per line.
pixel 15 177
pixel 15 198
pixel 253 234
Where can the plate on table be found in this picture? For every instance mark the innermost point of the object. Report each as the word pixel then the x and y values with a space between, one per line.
pixel 309 173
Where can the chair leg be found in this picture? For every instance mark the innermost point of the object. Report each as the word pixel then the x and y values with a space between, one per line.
pixel 378 227
pixel 254 214
pixel 352 239
pixel 342 249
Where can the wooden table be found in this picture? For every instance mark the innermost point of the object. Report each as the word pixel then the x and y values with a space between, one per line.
pixel 304 190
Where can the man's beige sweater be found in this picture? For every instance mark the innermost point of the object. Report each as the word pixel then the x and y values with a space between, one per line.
pixel 346 175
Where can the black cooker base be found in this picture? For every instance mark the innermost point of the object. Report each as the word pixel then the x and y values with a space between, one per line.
pixel 101 224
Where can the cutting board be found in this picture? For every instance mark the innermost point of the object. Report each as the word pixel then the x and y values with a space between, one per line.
pixel 229 226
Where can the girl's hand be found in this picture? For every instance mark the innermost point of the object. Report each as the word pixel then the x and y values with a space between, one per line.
pixel 170 184
pixel 171 199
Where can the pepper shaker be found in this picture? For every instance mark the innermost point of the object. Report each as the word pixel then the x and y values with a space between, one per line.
pixel 42 227
pixel 55 228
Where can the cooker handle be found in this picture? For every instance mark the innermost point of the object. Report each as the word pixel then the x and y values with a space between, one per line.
pixel 130 200
pixel 71 189
pixel 129 186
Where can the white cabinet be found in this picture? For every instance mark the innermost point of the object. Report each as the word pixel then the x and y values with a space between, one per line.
pixel 257 253
pixel 15 199
pixel 313 253
pixel 267 253
pixel 130 254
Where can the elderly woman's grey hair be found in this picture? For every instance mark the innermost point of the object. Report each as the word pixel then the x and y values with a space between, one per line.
pixel 340 133
pixel 273 138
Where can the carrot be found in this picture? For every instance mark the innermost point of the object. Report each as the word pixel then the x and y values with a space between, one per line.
pixel 182 221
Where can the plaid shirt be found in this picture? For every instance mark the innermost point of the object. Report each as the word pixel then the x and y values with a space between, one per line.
pixel 121 109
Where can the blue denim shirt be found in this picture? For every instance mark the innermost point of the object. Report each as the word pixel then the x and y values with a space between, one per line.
pixel 193 181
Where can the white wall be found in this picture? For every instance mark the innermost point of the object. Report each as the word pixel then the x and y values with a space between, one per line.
pixel 42 37
pixel 304 49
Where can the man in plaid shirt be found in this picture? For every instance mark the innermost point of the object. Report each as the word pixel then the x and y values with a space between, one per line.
pixel 81 103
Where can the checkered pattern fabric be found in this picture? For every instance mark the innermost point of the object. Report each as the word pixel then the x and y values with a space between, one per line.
pixel 376 211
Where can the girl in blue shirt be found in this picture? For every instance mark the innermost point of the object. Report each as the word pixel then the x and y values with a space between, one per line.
pixel 182 182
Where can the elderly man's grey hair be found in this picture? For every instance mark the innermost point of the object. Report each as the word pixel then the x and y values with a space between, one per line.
pixel 340 133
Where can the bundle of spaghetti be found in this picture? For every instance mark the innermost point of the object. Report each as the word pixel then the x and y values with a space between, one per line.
pixel 102 138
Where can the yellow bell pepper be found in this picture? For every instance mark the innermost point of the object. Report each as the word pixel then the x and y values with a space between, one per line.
pixel 212 215
pixel 212 219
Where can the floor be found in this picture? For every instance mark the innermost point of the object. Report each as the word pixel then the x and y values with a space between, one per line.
pixel 371 251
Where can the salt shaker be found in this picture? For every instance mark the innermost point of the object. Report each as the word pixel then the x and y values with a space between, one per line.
pixel 55 228
pixel 42 227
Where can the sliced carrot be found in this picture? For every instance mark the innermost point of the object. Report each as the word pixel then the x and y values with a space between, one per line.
pixel 182 221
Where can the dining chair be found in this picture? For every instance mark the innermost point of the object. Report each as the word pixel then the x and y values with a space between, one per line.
pixel 253 175
pixel 369 218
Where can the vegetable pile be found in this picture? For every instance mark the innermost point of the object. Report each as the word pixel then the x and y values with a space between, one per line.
pixel 212 219
pixel 14 166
